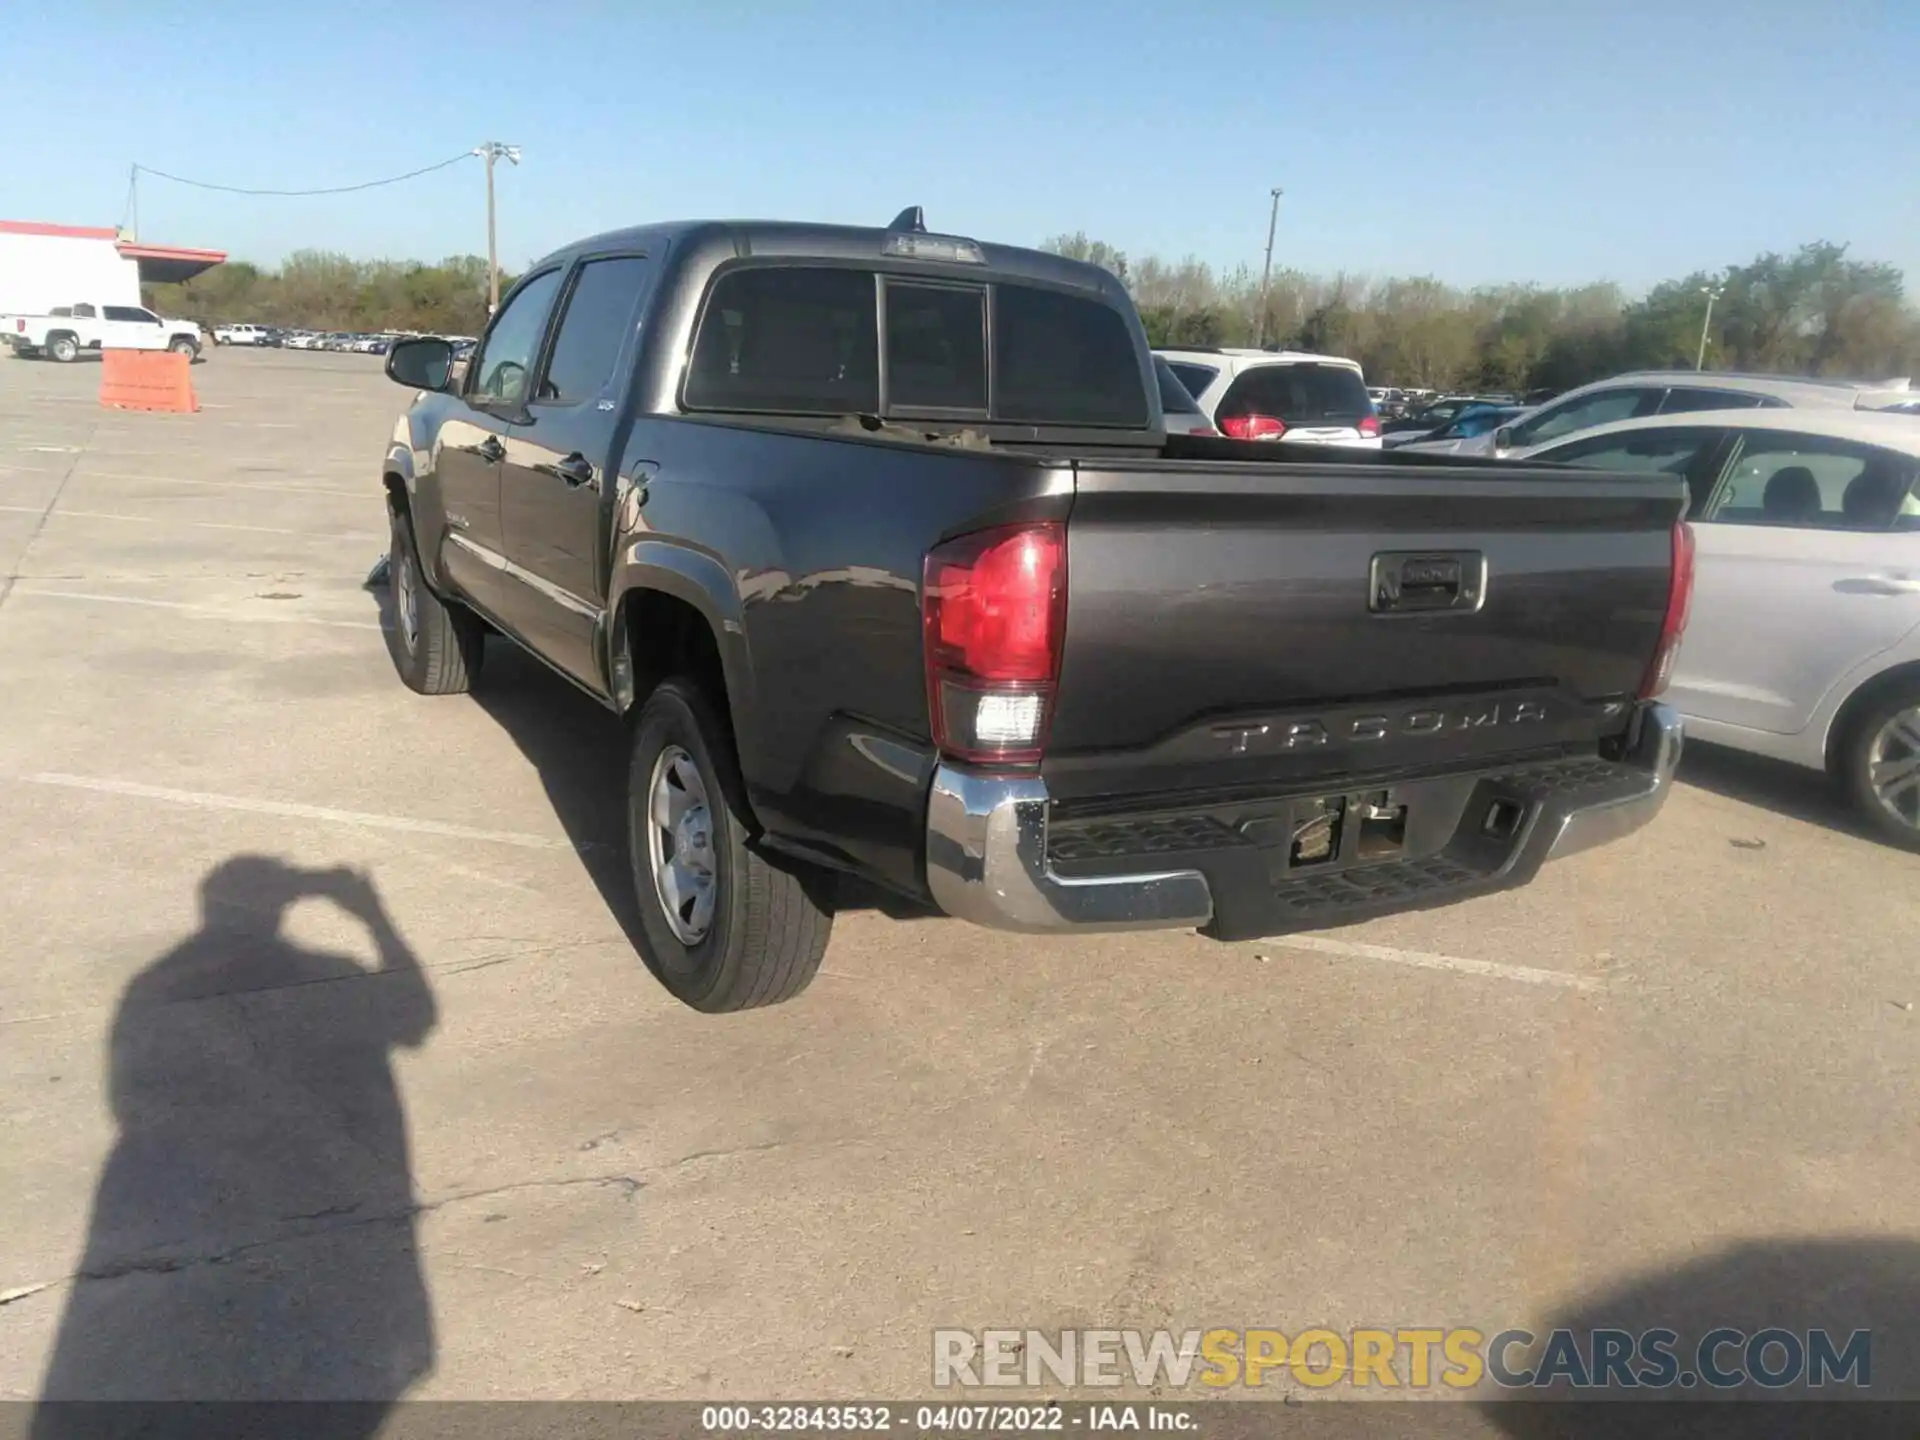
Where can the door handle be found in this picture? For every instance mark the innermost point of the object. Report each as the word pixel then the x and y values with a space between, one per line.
pixel 1877 585
pixel 491 449
pixel 576 470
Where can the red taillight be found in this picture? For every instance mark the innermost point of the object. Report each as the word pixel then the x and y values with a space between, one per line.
pixel 1673 626
pixel 20 325
pixel 1369 427
pixel 1253 427
pixel 994 608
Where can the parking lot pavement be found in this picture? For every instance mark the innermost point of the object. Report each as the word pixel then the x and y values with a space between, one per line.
pixel 258 1142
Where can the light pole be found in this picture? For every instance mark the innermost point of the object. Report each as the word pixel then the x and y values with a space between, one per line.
pixel 491 151
pixel 1713 293
pixel 1266 270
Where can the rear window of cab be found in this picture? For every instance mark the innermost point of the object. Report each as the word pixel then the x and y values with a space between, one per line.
pixel 808 340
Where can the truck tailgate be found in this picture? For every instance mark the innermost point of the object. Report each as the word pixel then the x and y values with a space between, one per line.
pixel 1236 627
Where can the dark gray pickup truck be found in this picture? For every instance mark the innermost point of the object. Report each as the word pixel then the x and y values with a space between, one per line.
pixel 879 541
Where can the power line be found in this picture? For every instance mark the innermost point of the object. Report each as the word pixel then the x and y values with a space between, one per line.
pixel 327 190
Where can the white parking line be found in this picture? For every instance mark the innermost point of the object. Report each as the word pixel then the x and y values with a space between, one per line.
pixel 1422 960
pixel 358 819
pixel 199 612
pixel 244 486
pixel 357 537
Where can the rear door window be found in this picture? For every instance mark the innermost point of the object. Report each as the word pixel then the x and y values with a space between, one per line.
pixel 1060 359
pixel 598 319
pixel 1302 394
pixel 786 339
pixel 1815 482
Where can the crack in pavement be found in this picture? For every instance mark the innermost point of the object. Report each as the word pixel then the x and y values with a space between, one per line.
pixel 59 489
pixel 628 1185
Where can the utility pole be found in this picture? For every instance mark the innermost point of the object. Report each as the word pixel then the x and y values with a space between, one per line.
pixel 491 151
pixel 1713 293
pixel 1266 270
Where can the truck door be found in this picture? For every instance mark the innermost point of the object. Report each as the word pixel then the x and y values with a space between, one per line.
pixel 556 486
pixel 128 327
pixel 473 443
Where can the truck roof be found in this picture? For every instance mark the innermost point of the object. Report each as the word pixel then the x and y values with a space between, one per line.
pixel 843 242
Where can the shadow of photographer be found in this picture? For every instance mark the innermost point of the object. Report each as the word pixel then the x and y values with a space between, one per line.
pixel 253 1230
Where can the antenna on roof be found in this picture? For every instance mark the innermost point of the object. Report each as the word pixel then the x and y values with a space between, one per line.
pixel 912 219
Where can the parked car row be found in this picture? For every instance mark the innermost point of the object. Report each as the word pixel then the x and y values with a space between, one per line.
pixel 361 342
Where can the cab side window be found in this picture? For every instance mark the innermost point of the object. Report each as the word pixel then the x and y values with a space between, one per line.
pixel 507 355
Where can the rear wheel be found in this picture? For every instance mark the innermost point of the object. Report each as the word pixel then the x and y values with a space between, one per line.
pixel 437 645
pixel 721 927
pixel 63 348
pixel 1880 765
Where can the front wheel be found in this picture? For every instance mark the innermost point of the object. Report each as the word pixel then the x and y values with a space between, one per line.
pixel 1880 766
pixel 721 927
pixel 186 347
pixel 437 645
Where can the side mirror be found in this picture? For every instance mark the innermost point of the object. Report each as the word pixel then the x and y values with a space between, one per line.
pixel 423 364
pixel 1503 440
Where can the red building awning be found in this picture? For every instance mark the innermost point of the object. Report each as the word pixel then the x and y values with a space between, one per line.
pixel 169 264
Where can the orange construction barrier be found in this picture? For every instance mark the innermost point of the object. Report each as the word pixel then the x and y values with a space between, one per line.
pixel 147 380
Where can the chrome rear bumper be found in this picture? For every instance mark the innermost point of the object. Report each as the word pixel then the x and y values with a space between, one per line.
pixel 987 858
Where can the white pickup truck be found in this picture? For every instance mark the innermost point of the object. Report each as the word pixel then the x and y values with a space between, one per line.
pixel 71 329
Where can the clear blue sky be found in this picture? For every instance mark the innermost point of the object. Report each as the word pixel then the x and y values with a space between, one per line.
pixel 1538 140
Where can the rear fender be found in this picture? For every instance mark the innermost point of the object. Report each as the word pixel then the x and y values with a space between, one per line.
pixel 647 564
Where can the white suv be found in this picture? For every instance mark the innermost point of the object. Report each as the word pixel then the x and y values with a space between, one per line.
pixel 1288 395
pixel 238 335
pixel 1642 393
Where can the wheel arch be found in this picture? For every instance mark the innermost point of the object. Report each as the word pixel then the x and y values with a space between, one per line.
pixel 1863 697
pixel 674 611
pixel 414 499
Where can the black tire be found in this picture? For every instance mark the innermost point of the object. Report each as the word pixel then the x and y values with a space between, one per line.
pixel 1896 820
pixel 63 348
pixel 186 347
pixel 769 925
pixel 440 651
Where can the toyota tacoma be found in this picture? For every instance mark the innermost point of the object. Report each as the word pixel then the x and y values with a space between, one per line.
pixel 879 542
